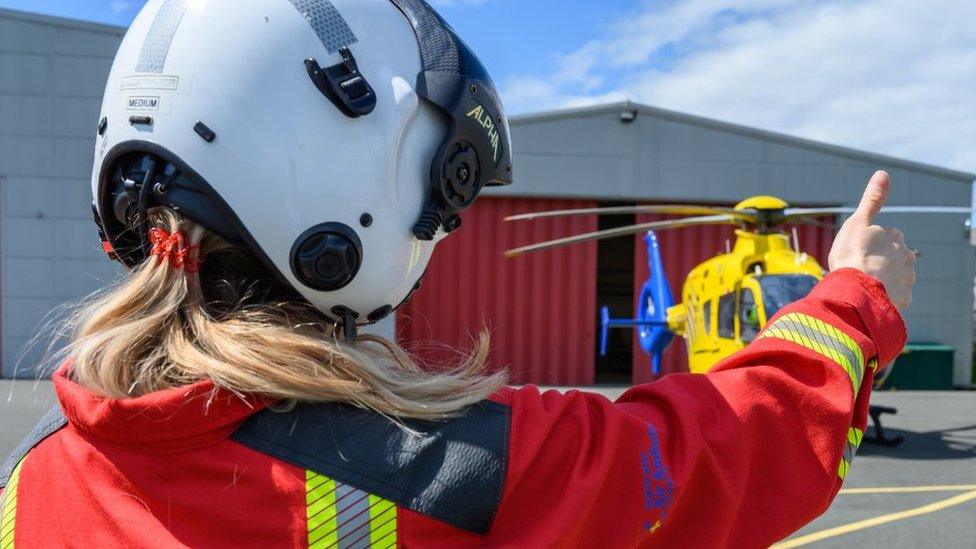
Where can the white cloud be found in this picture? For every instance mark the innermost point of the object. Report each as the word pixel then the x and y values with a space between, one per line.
pixel 119 6
pixel 893 76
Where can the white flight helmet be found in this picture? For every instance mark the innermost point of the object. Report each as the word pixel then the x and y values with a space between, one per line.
pixel 337 140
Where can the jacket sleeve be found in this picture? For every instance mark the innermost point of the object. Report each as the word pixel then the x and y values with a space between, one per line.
pixel 740 457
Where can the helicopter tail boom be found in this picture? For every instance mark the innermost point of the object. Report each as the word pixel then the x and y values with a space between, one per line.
pixel 652 310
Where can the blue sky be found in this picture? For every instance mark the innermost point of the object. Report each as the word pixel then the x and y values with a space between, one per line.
pixel 508 43
pixel 889 76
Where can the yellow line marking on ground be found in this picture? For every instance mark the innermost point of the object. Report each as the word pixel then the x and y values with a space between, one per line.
pixel 876 521
pixel 910 489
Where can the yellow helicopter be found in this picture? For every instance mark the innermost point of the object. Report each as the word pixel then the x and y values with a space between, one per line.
pixel 727 300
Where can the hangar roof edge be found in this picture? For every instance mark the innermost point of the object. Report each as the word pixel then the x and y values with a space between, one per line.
pixel 857 154
pixel 55 21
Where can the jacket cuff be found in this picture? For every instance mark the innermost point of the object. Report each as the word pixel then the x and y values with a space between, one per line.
pixel 867 295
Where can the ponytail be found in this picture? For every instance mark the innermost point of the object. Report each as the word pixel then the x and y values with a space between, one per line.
pixel 162 327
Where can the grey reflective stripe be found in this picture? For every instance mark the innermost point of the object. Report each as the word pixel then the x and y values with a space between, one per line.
pixel 353 517
pixel 849 451
pixel 856 369
pixel 854 438
pixel 156 48
pixel 327 22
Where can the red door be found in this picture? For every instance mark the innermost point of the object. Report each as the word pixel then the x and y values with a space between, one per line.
pixel 539 308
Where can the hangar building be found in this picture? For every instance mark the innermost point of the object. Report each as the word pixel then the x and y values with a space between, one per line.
pixel 543 309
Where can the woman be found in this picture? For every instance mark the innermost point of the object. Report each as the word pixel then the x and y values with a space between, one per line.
pixel 276 174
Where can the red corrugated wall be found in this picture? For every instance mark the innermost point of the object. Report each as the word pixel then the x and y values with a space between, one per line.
pixel 682 250
pixel 540 308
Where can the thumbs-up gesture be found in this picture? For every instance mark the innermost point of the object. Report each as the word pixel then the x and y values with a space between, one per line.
pixel 878 251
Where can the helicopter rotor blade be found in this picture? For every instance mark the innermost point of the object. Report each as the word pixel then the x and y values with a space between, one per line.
pixel 625 210
pixel 626 231
pixel 793 214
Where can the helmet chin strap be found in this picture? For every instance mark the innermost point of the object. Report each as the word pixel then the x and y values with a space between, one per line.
pixel 350 330
pixel 347 322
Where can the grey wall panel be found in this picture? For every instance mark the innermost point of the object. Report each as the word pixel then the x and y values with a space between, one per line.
pixel 79 42
pixel 942 260
pixel 73 157
pixel 76 117
pixel 18 36
pixel 27 238
pixel 25 74
pixel 26 156
pixel 22 316
pixel 52 72
pixel 40 198
pixel 31 278
pixel 26 115
pixel 80 76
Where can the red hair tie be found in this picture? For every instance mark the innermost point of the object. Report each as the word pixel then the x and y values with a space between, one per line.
pixel 175 247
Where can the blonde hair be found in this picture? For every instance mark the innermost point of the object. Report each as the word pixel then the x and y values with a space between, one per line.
pixel 156 330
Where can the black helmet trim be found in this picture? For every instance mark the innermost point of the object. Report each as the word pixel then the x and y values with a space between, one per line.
pixel 198 200
pixel 476 152
pixel 194 197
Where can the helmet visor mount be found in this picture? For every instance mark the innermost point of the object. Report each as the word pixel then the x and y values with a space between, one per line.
pixel 476 152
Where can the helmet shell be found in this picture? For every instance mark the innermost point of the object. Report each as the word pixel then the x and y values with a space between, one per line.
pixel 283 158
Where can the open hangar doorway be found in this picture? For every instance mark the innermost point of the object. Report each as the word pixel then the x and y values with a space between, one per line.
pixel 615 289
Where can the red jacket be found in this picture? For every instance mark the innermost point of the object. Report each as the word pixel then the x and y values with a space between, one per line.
pixel 740 457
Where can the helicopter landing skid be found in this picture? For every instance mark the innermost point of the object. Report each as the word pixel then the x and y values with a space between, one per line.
pixel 880 438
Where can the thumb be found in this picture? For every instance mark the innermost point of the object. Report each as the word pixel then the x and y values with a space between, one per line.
pixel 875 196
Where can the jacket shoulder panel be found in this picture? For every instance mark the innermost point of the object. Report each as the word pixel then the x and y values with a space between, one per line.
pixel 452 470
pixel 51 423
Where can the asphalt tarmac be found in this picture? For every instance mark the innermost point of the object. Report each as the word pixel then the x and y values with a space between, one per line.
pixel 919 494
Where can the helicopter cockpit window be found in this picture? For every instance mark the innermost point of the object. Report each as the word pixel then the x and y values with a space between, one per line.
pixel 781 290
pixel 726 316
pixel 748 316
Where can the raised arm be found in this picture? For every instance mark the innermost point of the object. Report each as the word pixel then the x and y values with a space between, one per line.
pixel 740 457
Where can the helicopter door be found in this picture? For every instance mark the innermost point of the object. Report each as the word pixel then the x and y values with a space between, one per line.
pixel 749 311
pixel 726 316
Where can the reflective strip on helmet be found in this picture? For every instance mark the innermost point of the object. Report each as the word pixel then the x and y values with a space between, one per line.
pixel 341 516
pixel 822 338
pixel 8 509
pixel 854 438
pixel 327 22
pixel 155 50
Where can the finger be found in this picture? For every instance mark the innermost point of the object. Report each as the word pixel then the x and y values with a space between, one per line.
pixel 875 196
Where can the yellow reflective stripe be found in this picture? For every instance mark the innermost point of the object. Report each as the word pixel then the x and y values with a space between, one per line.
pixel 320 510
pixel 843 469
pixel 825 328
pixel 854 438
pixel 827 336
pixel 8 509
pixel 382 523
pixel 822 338
pixel 814 346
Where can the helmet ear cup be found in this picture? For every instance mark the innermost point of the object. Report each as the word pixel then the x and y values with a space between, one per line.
pixel 327 257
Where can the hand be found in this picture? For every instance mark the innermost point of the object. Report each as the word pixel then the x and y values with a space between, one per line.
pixel 878 251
